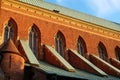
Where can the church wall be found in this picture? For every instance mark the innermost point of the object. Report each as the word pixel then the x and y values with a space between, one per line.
pixel 13 66
pixel 49 30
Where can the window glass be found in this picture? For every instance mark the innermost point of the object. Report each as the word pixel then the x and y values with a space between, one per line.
pixel 81 47
pixel 117 52
pixel 60 43
pixel 102 51
pixel 8 32
pixel 34 39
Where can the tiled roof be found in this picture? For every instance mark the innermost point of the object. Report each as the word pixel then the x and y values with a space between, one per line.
pixel 49 69
pixel 74 14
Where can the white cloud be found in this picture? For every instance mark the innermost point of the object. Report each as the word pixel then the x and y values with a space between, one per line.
pixel 105 7
pixel 100 7
pixel 116 3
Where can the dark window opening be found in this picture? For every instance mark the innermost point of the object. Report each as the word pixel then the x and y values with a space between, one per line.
pixel 60 43
pixel 102 51
pixel 8 32
pixel 81 47
pixel 117 52
pixel 33 40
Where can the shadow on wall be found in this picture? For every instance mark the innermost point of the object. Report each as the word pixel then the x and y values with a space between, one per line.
pixel 1 74
pixel 28 73
pixel 0 40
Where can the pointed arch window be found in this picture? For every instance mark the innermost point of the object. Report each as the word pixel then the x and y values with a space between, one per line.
pixel 8 32
pixel 60 43
pixel 81 47
pixel 102 51
pixel 117 52
pixel 34 39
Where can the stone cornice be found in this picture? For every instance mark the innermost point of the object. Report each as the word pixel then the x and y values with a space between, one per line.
pixel 47 15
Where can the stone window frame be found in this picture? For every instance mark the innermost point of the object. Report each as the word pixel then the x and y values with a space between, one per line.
pixel 34 39
pixel 102 51
pixel 60 43
pixel 10 30
pixel 81 46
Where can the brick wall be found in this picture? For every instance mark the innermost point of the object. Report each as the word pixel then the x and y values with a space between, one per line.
pixel 13 66
pixel 49 30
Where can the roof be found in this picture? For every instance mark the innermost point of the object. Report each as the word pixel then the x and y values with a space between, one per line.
pixel 50 69
pixel 29 54
pixel 74 14
pixel 9 46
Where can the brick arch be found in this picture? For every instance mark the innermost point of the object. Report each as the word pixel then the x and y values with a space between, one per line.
pixel 12 23
pixel 81 46
pixel 102 51
pixel 34 37
pixel 36 29
pixel 60 43
pixel 117 53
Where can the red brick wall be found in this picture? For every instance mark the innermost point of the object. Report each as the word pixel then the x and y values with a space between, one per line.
pixel 115 63
pixel 49 57
pixel 13 67
pixel 49 30
pixel 104 67
pixel 77 62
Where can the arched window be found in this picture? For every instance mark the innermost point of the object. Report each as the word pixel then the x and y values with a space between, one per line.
pixel 102 51
pixel 117 52
pixel 34 39
pixel 10 31
pixel 60 43
pixel 81 47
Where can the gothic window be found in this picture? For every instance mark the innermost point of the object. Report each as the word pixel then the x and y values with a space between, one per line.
pixel 117 52
pixel 34 39
pixel 102 51
pixel 81 47
pixel 60 43
pixel 8 32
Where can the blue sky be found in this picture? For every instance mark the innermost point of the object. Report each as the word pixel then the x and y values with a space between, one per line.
pixel 107 9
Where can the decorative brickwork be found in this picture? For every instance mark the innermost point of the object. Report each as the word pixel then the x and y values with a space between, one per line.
pixel 34 27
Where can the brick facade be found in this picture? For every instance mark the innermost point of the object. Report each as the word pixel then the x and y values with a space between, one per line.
pixel 49 30
pixel 48 27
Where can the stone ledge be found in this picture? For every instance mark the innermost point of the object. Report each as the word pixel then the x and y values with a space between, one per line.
pixel 106 67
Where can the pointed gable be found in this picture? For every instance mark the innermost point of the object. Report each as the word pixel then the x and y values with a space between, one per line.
pixel 9 47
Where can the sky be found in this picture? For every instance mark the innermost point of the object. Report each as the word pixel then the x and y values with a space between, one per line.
pixel 106 9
